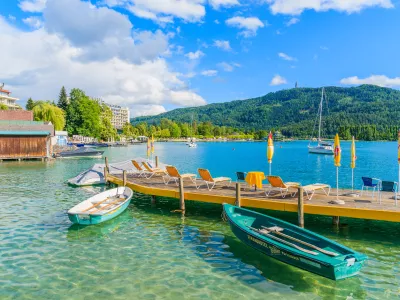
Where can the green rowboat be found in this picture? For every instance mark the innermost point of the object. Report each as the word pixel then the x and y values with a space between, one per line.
pixel 294 245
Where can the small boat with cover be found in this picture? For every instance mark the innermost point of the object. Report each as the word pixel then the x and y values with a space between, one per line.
pixel 101 207
pixel 293 245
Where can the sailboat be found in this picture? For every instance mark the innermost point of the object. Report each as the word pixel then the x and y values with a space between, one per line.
pixel 323 147
pixel 191 143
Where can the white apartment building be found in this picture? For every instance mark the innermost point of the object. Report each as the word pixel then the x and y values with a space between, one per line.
pixel 121 115
pixel 6 99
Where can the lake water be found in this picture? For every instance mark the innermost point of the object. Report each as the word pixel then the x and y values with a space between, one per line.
pixel 149 252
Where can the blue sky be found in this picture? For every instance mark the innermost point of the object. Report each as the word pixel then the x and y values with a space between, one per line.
pixel 156 55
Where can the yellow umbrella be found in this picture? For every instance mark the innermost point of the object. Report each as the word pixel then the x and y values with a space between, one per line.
pixel 337 153
pixel 270 151
pixel 148 148
pixel 353 162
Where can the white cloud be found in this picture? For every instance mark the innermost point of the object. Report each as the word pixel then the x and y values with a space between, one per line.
pixel 286 57
pixel 228 67
pixel 209 73
pixel 296 7
pixel 147 110
pixel 34 22
pixel 278 80
pixel 186 98
pixel 164 10
pixel 216 4
pixel 122 68
pixel 101 33
pixel 195 55
pixel 11 18
pixel 292 21
pixel 32 5
pixel 224 45
pixel 249 25
pixel 324 48
pixel 216 21
pixel 380 80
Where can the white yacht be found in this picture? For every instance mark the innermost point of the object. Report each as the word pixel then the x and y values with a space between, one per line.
pixel 323 147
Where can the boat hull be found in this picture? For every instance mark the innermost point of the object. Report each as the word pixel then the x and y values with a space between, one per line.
pixel 83 219
pixel 80 213
pixel 283 254
pixel 316 150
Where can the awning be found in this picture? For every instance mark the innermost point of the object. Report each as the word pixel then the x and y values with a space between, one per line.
pixel 24 133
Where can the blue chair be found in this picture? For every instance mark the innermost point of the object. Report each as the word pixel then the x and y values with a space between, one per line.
pixel 370 183
pixel 241 177
pixel 388 186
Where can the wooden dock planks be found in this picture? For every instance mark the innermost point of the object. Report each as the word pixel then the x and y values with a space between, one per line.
pixel 362 207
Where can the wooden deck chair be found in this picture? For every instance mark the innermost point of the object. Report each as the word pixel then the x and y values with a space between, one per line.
pixel 141 172
pixel 277 184
pixel 173 174
pixel 311 188
pixel 154 171
pixel 210 181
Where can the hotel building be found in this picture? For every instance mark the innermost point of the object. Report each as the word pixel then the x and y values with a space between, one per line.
pixel 7 100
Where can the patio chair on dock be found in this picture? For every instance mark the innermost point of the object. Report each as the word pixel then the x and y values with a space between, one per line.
pixel 370 183
pixel 241 178
pixel 153 171
pixel 210 181
pixel 173 174
pixel 277 184
pixel 312 188
pixel 141 172
pixel 388 186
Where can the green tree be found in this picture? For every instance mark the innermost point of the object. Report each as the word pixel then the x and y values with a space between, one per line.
pixel 44 111
pixel 175 131
pixel 107 130
pixel 30 104
pixel 62 99
pixel 3 106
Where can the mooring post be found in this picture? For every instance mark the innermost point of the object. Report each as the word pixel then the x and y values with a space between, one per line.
pixel 237 203
pixel 124 178
pixel 300 207
pixel 181 195
pixel 153 199
pixel 156 161
pixel 105 175
pixel 107 166
pixel 336 220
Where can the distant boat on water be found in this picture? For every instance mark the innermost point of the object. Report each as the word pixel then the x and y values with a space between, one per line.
pixel 81 152
pixel 323 147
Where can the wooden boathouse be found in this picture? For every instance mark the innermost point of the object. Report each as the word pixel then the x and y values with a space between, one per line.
pixel 20 139
pixel 362 207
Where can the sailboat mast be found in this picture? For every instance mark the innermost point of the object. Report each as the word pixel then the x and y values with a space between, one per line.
pixel 320 115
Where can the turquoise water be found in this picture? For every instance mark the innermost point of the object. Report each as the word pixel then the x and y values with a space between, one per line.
pixel 150 252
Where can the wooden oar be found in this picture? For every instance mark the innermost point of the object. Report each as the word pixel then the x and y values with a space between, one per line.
pixel 283 241
pixel 96 204
pixel 302 242
pixel 104 207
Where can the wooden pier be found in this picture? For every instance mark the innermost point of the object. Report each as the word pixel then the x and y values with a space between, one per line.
pixel 361 207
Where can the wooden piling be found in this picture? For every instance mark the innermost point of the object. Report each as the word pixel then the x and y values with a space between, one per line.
pixel 237 202
pixel 107 166
pixel 124 177
pixel 336 221
pixel 181 195
pixel 105 174
pixel 300 207
pixel 153 199
pixel 156 161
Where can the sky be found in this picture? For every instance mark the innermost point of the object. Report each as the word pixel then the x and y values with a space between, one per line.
pixel 156 55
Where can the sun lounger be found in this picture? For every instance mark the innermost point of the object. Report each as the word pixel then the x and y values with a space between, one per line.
pixel 173 174
pixel 153 171
pixel 141 172
pixel 210 181
pixel 277 184
pixel 311 188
